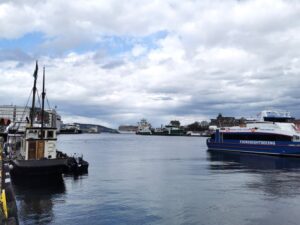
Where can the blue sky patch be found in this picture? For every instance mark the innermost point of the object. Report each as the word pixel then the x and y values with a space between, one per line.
pixel 115 45
pixel 27 43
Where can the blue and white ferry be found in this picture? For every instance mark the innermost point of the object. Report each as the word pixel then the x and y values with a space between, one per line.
pixel 273 133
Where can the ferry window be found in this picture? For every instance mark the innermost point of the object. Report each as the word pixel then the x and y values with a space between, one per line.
pixel 50 134
pixel 296 137
pixel 256 137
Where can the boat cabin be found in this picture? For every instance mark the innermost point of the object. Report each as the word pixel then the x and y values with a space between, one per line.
pixel 39 143
pixel 276 116
pixel 34 143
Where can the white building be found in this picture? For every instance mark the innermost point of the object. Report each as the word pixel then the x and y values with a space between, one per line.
pixel 18 115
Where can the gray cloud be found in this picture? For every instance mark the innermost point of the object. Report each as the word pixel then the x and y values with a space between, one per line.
pixel 14 55
pixel 236 58
pixel 113 64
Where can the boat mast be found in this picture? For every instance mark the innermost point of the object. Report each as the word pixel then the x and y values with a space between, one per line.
pixel 34 91
pixel 43 102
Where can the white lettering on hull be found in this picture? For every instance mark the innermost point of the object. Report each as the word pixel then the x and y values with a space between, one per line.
pixel 257 142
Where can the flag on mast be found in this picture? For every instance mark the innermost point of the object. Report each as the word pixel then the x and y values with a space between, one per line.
pixel 36 70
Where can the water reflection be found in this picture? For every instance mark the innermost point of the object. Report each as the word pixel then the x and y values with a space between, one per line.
pixel 232 160
pixel 275 176
pixel 36 200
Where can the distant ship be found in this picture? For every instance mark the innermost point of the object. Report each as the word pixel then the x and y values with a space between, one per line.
pixel 144 128
pixel 172 129
pixel 273 133
pixel 71 128
pixel 127 129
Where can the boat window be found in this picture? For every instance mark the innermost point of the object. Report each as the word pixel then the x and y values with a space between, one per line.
pixel 279 119
pixel 41 134
pixel 256 137
pixel 50 134
pixel 32 131
pixel 296 138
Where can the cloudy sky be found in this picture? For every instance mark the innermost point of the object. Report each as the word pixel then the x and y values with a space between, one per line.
pixel 114 62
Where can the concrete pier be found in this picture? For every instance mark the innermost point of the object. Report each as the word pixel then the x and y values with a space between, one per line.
pixel 8 208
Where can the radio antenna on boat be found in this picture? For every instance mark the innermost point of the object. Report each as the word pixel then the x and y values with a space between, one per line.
pixel 35 74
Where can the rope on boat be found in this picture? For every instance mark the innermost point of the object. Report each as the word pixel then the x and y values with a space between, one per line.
pixel 23 114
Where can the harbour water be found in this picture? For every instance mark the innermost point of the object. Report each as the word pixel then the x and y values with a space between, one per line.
pixel 136 179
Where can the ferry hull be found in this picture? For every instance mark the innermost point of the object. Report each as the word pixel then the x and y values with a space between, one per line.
pixel 280 150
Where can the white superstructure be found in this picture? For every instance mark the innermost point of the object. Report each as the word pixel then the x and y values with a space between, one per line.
pixel 267 115
pixel 266 127
pixel 269 122
pixel 144 127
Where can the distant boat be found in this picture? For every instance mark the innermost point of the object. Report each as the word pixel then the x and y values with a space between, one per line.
pixel 127 129
pixel 170 130
pixel 70 129
pixel 33 152
pixel 126 132
pixel 193 133
pixel 144 128
pixel 273 134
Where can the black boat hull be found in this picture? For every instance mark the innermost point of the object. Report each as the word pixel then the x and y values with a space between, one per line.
pixel 76 167
pixel 37 168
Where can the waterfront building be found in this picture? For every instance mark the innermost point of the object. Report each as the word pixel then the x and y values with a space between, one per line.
pixel 223 121
pixel 20 116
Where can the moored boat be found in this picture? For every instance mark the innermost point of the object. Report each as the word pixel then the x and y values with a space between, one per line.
pixel 272 134
pixel 33 152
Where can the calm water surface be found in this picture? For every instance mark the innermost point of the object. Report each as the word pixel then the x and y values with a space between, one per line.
pixel 164 180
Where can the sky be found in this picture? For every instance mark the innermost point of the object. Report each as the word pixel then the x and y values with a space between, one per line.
pixel 114 62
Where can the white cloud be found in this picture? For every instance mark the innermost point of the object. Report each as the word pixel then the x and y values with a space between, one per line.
pixel 138 50
pixel 235 57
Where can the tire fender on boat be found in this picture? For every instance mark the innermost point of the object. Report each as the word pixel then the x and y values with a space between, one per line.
pixel 10 166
